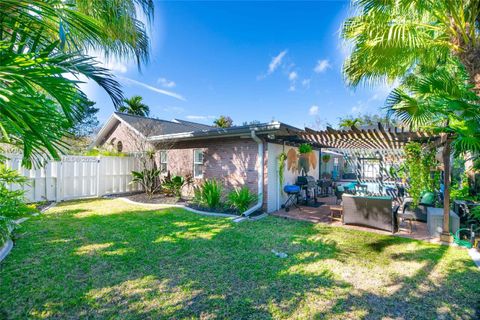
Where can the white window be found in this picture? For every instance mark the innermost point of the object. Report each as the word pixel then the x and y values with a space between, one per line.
pixel 163 161
pixel 335 164
pixel 198 163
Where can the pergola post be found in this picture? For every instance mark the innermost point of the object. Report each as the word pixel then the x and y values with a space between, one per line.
pixel 445 236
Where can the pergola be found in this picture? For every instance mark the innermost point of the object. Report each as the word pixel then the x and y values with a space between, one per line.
pixel 375 143
pixel 379 137
pixel 379 142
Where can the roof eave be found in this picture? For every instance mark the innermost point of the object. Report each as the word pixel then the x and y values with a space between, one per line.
pixel 219 132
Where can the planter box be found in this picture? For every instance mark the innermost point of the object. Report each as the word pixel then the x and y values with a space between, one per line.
pixel 435 221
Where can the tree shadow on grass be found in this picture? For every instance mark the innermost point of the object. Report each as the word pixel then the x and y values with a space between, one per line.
pixel 424 295
pixel 150 264
pixel 175 264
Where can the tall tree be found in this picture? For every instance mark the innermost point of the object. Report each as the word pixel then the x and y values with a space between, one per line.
pixel 390 37
pixel 442 101
pixel 223 122
pixel 135 106
pixel 87 122
pixel 43 45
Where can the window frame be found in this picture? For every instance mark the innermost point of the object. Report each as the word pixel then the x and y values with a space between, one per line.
pixel 162 162
pixel 119 146
pixel 195 163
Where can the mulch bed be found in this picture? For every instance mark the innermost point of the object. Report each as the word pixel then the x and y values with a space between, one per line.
pixel 161 198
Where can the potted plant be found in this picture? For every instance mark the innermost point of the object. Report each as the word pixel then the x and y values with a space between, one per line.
pixel 325 159
pixel 303 162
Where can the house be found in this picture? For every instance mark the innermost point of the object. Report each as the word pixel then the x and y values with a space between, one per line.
pixel 237 156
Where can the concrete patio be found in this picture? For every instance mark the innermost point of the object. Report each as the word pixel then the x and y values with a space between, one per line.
pixel 322 215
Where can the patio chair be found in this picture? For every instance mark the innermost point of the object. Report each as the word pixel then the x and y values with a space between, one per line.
pixel 420 212
pixel 339 190
pixel 406 218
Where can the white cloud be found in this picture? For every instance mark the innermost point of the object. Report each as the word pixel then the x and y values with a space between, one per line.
pixel 313 111
pixel 149 87
pixel 321 66
pixel 292 87
pixel 166 83
pixel 276 61
pixel 116 66
pixel 292 76
pixel 198 117
pixel 306 83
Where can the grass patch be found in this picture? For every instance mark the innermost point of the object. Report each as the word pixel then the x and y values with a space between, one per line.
pixel 108 259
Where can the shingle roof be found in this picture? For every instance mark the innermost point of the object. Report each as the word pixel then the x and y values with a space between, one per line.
pixel 196 125
pixel 154 127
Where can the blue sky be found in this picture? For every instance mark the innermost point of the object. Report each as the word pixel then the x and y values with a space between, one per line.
pixel 249 60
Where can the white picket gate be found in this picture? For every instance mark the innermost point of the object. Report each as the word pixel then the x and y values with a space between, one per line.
pixel 76 177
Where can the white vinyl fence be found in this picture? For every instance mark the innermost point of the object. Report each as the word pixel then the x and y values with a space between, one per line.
pixel 76 177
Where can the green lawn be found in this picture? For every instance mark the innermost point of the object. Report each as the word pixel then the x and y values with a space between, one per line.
pixel 107 259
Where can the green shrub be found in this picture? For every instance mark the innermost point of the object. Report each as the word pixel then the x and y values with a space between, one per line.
pixel 173 185
pixel 460 190
pixel 12 202
pixel 241 199
pixel 149 179
pixel 209 194
pixel 95 152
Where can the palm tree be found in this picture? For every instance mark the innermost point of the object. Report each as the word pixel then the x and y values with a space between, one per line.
pixel 41 42
pixel 223 122
pixel 390 37
pixel 349 122
pixel 135 106
pixel 441 100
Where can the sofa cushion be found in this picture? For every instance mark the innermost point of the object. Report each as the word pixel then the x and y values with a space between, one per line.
pixel 341 188
pixel 428 198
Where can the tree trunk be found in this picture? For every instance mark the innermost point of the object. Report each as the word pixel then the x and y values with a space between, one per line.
pixel 446 193
pixel 470 59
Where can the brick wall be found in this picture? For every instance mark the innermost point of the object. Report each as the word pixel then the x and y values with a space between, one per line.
pixel 232 161
pixel 121 133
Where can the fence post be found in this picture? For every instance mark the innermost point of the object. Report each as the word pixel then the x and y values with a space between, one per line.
pixel 99 193
pixel 59 182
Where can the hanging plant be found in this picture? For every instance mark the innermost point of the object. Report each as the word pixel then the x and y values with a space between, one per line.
pixel 325 159
pixel 281 168
pixel 429 164
pixel 413 153
pixel 305 148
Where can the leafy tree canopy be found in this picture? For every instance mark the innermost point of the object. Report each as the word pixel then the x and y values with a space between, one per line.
pixel 223 122
pixel 44 49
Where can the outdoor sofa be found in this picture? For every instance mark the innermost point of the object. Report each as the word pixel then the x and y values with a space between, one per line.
pixel 375 212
